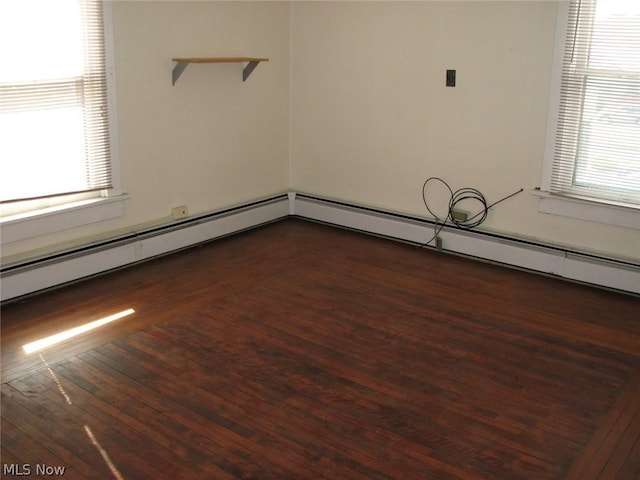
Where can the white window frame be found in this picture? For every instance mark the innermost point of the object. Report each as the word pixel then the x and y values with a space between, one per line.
pixel 63 213
pixel 591 209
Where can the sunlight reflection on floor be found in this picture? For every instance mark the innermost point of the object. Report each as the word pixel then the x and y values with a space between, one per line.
pixel 60 337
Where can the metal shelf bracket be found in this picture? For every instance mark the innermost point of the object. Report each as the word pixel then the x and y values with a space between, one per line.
pixel 248 70
pixel 177 71
pixel 181 64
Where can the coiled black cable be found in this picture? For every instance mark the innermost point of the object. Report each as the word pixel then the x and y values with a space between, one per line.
pixel 460 195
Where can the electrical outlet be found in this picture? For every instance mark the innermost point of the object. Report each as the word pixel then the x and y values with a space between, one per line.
pixel 179 212
pixel 439 243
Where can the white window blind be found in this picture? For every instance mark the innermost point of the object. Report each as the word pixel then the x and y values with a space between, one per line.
pixel 54 135
pixel 597 139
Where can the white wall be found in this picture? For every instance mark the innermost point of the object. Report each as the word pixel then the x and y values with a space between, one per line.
pixel 352 105
pixel 372 119
pixel 209 142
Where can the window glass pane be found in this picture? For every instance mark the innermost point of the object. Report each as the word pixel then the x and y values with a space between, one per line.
pixel 609 140
pixel 597 140
pixel 46 152
pixel 609 144
pixel 53 113
pixel 39 39
pixel 615 40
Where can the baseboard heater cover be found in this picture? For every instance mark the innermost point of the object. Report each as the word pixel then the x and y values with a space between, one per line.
pixel 38 274
pixel 42 273
pixel 548 259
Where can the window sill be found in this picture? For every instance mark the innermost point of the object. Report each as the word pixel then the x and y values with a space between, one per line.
pixel 63 217
pixel 608 213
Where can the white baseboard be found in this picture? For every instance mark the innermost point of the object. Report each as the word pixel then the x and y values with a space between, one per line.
pixel 43 273
pixel 532 256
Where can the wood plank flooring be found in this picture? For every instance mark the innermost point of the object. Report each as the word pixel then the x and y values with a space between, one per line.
pixel 302 351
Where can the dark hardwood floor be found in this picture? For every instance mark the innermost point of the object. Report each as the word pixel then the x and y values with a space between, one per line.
pixel 301 351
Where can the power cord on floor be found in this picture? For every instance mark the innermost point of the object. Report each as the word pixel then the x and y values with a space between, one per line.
pixel 462 194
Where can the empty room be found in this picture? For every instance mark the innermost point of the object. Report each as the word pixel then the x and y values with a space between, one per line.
pixel 320 239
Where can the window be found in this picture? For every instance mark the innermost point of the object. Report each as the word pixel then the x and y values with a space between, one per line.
pixel 57 164
pixel 53 101
pixel 593 144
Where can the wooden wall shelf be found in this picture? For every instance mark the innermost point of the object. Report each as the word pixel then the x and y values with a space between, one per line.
pixel 182 63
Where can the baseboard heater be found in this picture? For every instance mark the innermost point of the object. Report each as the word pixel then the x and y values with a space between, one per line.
pixel 45 272
pixel 38 274
pixel 548 259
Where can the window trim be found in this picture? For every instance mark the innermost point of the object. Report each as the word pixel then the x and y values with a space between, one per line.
pixel 62 217
pixel 109 41
pixel 590 209
pixel 102 205
pixel 595 211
